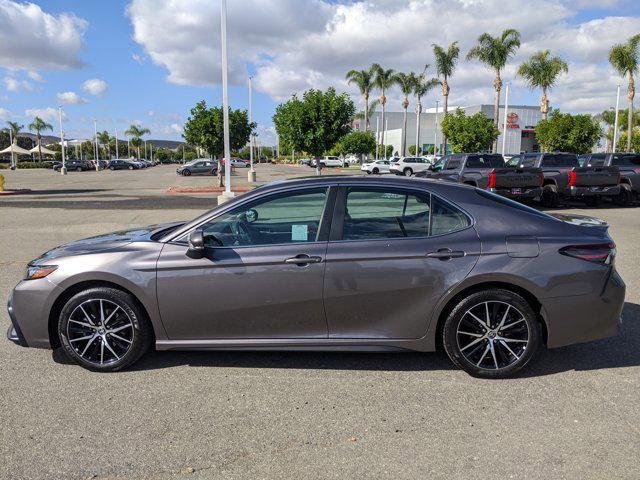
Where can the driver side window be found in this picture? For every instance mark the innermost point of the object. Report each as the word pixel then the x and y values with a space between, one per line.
pixel 291 217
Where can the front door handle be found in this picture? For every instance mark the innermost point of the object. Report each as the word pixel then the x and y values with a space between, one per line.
pixel 303 259
pixel 446 254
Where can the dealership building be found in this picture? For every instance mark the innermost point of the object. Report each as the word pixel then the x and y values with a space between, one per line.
pixel 521 123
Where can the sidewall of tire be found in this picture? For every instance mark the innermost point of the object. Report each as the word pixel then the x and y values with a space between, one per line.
pixel 142 331
pixel 450 341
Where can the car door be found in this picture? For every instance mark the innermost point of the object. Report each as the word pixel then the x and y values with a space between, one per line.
pixel 261 275
pixel 393 253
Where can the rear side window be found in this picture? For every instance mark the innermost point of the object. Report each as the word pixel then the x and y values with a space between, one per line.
pixel 445 218
pixel 559 160
pixel 485 161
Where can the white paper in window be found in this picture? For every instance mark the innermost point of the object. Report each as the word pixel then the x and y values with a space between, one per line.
pixel 299 233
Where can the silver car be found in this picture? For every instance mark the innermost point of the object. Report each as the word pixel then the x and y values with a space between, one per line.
pixel 335 263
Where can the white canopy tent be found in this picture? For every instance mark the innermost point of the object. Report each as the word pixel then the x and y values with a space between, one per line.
pixel 14 149
pixel 45 151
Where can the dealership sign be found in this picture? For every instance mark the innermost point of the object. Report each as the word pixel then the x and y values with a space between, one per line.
pixel 512 121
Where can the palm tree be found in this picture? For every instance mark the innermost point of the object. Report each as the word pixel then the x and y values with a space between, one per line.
pixel 445 65
pixel 364 81
pixel 383 81
pixel 624 59
pixel 420 88
pixel 542 71
pixel 405 82
pixel 136 133
pixel 14 130
pixel 494 53
pixel 373 106
pixel 103 139
pixel 38 125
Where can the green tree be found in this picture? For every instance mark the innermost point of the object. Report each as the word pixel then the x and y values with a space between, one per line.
pixel 625 58
pixel 542 71
pixel 563 132
pixel 315 122
pixel 494 53
pixel 373 106
pixel 38 125
pixel 475 133
pixel 103 140
pixel 446 61
pixel 364 80
pixel 635 144
pixel 136 132
pixel 406 82
pixel 358 143
pixel 608 117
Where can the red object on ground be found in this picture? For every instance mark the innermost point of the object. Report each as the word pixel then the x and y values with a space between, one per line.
pixel 15 192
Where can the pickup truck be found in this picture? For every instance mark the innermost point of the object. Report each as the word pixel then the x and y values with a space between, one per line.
pixel 629 166
pixel 488 171
pixel 564 178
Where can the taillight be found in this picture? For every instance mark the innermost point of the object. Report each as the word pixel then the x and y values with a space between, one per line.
pixel 598 253
pixel 542 179
pixel 572 179
pixel 618 182
pixel 492 180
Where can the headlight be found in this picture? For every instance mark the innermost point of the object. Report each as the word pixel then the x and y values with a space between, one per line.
pixel 39 271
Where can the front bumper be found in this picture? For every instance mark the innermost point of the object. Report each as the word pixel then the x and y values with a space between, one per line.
pixel 583 318
pixel 524 193
pixel 593 191
pixel 14 333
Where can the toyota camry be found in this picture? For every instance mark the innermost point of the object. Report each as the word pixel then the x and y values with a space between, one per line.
pixel 331 263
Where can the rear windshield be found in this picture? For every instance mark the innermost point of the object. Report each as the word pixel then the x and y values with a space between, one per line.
pixel 485 161
pixel 510 203
pixel 559 160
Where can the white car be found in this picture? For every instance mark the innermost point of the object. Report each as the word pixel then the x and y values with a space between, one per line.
pixel 330 161
pixel 409 165
pixel 377 166
pixel 351 160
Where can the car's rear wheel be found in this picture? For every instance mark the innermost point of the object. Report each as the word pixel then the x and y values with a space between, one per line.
pixel 376 171
pixel 550 197
pixel 186 173
pixel 407 172
pixel 130 167
pixel 492 333
pixel 112 168
pixel 625 197
pixel 103 329
pixel 79 169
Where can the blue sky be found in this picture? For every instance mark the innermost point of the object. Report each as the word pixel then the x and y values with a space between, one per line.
pixel 289 45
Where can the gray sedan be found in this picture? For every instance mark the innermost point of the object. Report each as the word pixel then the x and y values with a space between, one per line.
pixel 335 263
pixel 198 167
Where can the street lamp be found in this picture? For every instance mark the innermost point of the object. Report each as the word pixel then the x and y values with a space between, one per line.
pixel 117 155
pixel 228 194
pixel 504 120
pixel 615 122
pixel 435 134
pixel 63 169
pixel 251 175
pixel 96 148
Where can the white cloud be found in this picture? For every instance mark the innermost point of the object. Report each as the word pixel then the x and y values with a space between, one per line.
pixel 70 98
pixel 15 85
pixel 48 114
pixel 5 114
pixel 176 128
pixel 31 39
pixel 138 58
pixel 35 76
pixel 95 87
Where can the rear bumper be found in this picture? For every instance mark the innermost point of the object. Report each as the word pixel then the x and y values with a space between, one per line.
pixel 583 318
pixel 525 193
pixel 592 191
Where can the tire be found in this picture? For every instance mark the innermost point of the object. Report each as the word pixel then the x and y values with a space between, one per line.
pixel 112 168
pixel 186 173
pixel 625 197
pixel 592 202
pixel 87 342
pixel 407 172
pixel 376 171
pixel 79 169
pixel 549 197
pixel 130 167
pixel 469 344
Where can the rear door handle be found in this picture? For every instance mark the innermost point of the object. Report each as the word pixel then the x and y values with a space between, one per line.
pixel 303 259
pixel 446 254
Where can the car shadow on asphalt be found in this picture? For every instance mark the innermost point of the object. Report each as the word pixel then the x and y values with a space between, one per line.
pixel 616 352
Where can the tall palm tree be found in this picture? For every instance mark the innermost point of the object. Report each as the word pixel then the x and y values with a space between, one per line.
pixel 373 106
pixel 38 125
pixel 406 83
pixel 445 65
pixel 383 81
pixel 542 71
pixel 494 53
pixel 136 133
pixel 421 87
pixel 103 139
pixel 624 59
pixel 363 79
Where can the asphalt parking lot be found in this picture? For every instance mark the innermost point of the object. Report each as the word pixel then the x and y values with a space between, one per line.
pixel 573 414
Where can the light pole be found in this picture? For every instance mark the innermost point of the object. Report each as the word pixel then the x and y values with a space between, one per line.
pixel 251 175
pixel 128 148
pixel 615 122
pixel 377 136
pixel 418 112
pixel 435 132
pixel 96 148
pixel 11 144
pixel 504 120
pixel 145 149
pixel 117 154
pixel 228 194
pixel 63 169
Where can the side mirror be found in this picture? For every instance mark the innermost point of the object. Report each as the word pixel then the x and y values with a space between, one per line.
pixel 196 244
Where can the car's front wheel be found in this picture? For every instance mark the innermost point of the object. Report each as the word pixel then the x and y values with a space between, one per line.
pixel 103 329
pixel 186 173
pixel 407 172
pixel 491 333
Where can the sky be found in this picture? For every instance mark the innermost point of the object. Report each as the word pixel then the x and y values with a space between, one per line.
pixel 149 62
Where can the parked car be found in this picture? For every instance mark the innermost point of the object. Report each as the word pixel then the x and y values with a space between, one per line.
pixel 123 164
pixel 305 161
pixel 351 160
pixel 377 166
pixel 487 171
pixel 407 166
pixel 75 165
pixel 407 264
pixel 102 164
pixel 629 166
pixel 327 161
pixel 565 178
pixel 240 163
pixel 198 167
